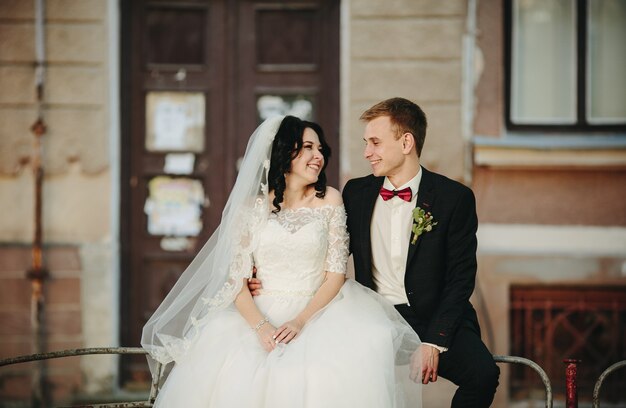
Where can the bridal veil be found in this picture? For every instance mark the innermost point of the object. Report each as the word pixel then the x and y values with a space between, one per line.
pixel 214 278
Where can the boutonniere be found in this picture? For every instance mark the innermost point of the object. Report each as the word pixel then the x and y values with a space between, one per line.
pixel 422 221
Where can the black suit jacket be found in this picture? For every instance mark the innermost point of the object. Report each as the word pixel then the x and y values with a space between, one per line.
pixel 441 265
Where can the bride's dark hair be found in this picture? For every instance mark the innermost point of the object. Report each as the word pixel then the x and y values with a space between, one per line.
pixel 286 147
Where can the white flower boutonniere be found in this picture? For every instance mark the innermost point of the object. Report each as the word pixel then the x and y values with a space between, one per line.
pixel 422 221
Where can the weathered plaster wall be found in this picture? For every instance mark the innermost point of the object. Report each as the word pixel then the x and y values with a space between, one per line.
pixel 77 190
pixel 411 49
pixel 76 85
pixel 551 196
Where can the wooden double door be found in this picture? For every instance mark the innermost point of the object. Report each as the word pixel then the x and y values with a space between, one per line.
pixel 197 78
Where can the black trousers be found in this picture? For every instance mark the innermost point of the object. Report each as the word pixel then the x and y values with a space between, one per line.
pixel 467 363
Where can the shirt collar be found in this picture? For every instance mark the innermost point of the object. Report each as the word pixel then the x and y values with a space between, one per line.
pixel 414 183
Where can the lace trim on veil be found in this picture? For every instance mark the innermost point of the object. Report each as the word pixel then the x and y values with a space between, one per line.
pixel 241 266
pixel 215 277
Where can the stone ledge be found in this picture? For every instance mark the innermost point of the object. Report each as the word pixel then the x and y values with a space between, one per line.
pixel 550 151
pixel 551 239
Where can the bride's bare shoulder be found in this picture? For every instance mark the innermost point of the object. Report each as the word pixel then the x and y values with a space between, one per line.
pixel 332 196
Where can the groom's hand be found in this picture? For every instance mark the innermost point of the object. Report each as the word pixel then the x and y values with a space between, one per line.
pixel 254 284
pixel 430 363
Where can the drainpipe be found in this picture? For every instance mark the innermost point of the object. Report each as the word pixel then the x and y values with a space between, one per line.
pixel 467 91
pixel 467 112
pixel 38 273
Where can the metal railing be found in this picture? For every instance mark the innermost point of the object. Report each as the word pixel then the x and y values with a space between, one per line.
pixel 154 386
pixel 596 389
pixel 92 351
pixel 534 366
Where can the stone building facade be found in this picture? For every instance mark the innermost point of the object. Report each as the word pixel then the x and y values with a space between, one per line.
pixel 552 212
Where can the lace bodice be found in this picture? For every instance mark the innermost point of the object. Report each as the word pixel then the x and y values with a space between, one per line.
pixel 297 246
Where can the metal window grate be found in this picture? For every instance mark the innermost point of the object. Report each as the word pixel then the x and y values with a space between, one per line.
pixel 552 323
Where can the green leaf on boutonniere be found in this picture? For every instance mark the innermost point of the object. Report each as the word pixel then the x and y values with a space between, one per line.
pixel 422 222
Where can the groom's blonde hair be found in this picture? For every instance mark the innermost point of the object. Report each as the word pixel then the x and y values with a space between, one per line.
pixel 405 116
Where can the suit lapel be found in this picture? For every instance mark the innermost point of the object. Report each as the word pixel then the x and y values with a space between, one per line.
pixel 425 200
pixel 369 196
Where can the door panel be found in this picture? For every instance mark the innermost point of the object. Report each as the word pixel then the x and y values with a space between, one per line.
pixel 195 75
pixel 290 50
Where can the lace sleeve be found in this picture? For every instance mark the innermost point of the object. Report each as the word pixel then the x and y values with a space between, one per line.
pixel 241 258
pixel 243 261
pixel 338 240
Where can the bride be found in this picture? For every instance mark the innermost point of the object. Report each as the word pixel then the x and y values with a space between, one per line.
pixel 311 338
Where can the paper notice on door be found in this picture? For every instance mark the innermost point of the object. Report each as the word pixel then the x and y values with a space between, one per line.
pixel 174 206
pixel 179 163
pixel 175 121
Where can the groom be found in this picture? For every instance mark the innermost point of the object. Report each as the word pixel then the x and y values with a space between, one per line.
pixel 426 265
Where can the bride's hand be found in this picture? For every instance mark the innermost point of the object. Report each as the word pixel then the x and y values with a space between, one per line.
pixel 266 337
pixel 288 331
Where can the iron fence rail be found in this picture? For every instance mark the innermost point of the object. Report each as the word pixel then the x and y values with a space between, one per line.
pixel 92 351
pixel 155 381
pixel 534 366
pixel 71 353
pixel 605 373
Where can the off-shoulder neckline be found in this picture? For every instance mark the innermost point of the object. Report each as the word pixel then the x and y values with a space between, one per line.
pixel 310 208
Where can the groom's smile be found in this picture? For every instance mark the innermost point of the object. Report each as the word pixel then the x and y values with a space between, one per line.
pixel 383 149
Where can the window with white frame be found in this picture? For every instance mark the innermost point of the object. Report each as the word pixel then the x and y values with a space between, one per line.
pixel 566 64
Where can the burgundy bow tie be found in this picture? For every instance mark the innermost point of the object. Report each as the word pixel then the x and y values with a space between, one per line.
pixel 404 194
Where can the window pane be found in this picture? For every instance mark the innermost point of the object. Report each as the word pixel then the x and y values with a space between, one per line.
pixel 607 61
pixel 543 62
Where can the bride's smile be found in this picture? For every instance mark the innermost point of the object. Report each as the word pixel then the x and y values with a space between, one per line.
pixel 309 162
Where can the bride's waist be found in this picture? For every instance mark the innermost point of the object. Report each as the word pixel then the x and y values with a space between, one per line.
pixel 288 284
pixel 283 292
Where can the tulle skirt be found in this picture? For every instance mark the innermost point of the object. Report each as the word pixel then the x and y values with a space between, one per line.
pixel 350 354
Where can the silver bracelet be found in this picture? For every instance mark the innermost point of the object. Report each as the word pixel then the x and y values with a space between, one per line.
pixel 261 323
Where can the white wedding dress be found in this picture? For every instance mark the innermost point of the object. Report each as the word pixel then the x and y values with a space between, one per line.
pixel 345 356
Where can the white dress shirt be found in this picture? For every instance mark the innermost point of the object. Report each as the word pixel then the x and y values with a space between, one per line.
pixel 390 234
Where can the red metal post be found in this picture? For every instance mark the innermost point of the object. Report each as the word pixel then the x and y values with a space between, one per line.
pixel 571 383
